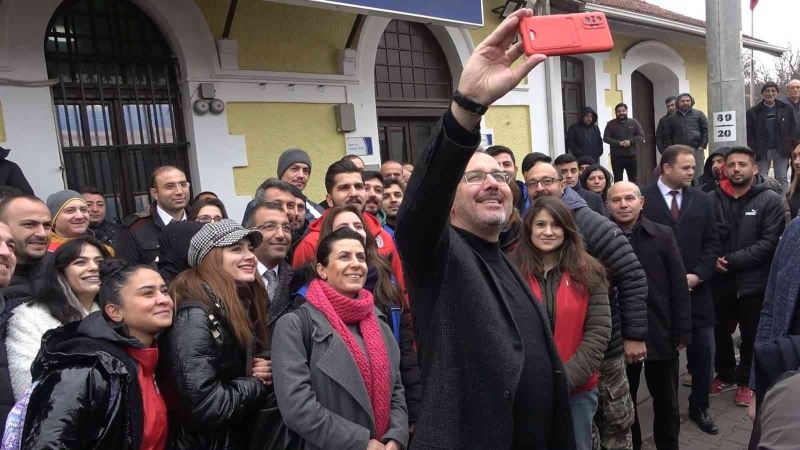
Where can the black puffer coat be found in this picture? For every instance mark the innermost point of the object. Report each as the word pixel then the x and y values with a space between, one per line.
pixel 73 406
pixel 749 230
pixel 628 296
pixel 203 380
pixel 585 140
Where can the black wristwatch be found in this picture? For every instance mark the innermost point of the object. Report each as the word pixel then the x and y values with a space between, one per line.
pixel 468 104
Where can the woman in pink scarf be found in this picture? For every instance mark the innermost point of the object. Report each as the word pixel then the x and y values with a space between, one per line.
pixel 335 362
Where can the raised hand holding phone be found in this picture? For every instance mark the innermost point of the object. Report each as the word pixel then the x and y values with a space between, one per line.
pixel 488 74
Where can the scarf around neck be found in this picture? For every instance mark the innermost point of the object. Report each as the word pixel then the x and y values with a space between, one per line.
pixel 341 311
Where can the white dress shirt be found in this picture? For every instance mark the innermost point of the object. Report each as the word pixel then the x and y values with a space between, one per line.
pixel 167 217
pixel 665 193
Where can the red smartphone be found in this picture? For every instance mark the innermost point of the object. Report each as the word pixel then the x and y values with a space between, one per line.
pixel 566 34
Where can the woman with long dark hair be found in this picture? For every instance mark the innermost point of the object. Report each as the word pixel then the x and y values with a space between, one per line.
pixel 572 287
pixel 209 377
pixel 337 377
pixel 388 298
pixel 597 179
pixel 66 293
pixel 95 385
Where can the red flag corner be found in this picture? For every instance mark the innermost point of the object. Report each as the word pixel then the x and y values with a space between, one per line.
pixel 753 4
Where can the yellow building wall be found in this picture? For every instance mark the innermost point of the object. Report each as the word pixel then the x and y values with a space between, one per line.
pixel 512 128
pixel 270 128
pixel 2 125
pixel 282 38
pixel 694 59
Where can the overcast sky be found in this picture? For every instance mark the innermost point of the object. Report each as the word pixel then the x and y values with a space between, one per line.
pixel 776 21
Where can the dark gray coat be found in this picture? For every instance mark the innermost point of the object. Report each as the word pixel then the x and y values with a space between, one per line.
pixel 698 240
pixel 323 398
pixel 686 128
pixel 470 348
pixel 605 241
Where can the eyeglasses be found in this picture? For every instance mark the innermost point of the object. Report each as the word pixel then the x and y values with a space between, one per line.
pixel 208 219
pixel 173 186
pixel 545 182
pixel 271 227
pixel 478 177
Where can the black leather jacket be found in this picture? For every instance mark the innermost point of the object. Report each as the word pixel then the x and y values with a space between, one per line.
pixel 88 394
pixel 203 380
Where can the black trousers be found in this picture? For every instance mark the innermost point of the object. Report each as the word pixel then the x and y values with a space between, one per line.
pixel 700 362
pixel 662 382
pixel 732 311
pixel 626 163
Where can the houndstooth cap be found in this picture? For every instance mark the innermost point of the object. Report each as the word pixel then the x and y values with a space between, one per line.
pixel 224 233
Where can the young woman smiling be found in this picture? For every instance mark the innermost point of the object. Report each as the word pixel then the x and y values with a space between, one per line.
pixel 209 378
pixel 95 385
pixel 339 386
pixel 572 287
pixel 597 179
pixel 65 294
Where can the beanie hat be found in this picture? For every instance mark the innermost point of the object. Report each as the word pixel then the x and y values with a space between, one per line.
pixel 769 84
pixel 57 201
pixel 292 156
pixel 224 233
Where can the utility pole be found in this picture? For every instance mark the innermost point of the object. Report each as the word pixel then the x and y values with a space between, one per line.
pixel 726 104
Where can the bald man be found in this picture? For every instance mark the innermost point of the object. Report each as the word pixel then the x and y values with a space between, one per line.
pixel 668 311
pixel 8 262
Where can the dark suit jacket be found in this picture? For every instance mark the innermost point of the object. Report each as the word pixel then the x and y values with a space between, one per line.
pixel 593 200
pixel 284 300
pixel 469 345
pixel 698 240
pixel 669 307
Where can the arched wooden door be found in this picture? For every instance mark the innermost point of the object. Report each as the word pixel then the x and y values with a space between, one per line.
pixel 117 105
pixel 642 90
pixel 413 86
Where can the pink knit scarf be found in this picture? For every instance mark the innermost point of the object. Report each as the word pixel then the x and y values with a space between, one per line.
pixel 341 311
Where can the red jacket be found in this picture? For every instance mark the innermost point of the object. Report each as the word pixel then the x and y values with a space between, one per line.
pixel 154 411
pixel 307 248
pixel 571 307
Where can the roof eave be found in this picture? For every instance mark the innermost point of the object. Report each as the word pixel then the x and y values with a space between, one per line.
pixel 672 25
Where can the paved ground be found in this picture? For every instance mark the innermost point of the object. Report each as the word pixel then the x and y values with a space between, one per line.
pixel 734 425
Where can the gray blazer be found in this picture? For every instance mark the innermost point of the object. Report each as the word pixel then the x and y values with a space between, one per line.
pixel 324 400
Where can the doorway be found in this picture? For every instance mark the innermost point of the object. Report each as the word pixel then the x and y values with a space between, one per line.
pixel 572 93
pixel 643 112
pixel 413 86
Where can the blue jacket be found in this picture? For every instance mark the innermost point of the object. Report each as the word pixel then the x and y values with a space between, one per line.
pixel 783 287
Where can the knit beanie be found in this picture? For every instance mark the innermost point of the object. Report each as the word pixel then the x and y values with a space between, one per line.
pixel 56 202
pixel 770 84
pixel 292 156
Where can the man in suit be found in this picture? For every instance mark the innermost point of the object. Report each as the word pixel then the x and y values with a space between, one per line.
pixel 491 375
pixel 271 220
pixel 671 201
pixel 668 312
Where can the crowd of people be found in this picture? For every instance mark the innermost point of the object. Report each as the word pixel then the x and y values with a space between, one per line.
pixel 447 305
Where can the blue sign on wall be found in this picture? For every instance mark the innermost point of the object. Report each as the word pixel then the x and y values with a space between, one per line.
pixel 450 12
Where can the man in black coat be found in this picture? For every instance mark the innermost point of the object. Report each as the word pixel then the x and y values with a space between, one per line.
pixel 583 137
pixel 669 103
pixel 11 174
pixel 771 133
pixel 491 375
pixel 668 311
pixel 624 135
pixel 28 217
pixel 9 260
pixel 628 297
pixel 568 166
pixel 138 240
pixel 688 126
pixel 750 218
pixel 692 221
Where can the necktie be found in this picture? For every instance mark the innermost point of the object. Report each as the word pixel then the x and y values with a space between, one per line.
pixel 272 283
pixel 674 207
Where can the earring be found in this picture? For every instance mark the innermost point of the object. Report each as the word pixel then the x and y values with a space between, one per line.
pixel 324 277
